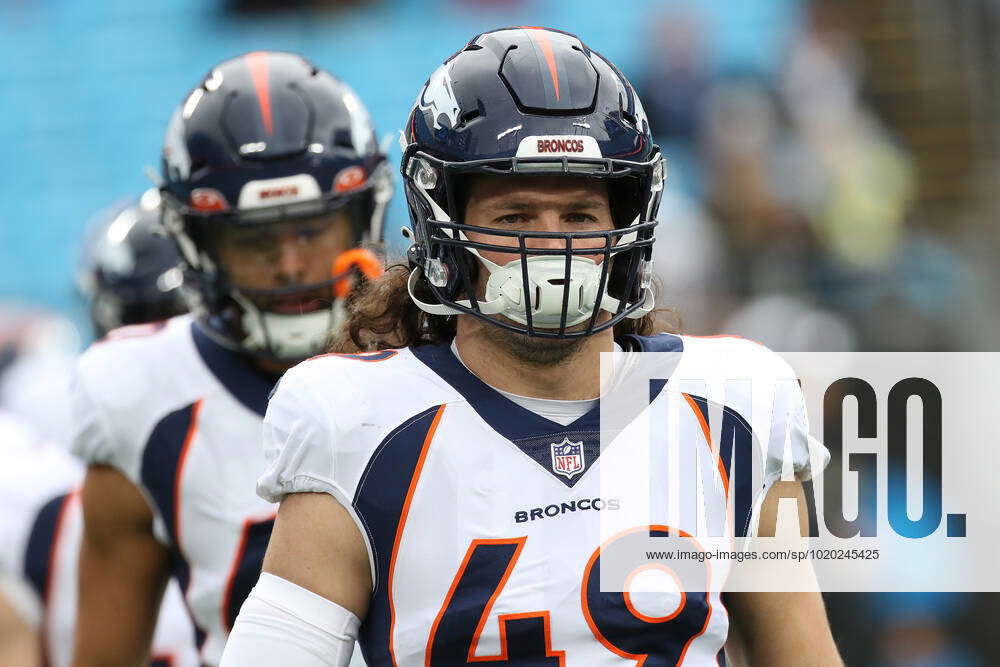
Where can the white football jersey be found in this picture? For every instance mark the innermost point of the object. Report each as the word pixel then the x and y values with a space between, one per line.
pixel 483 519
pixel 180 416
pixel 40 530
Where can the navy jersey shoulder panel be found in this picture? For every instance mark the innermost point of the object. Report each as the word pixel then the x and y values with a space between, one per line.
pixel 161 464
pixel 379 502
pixel 250 558
pixel 664 342
pixel 41 541
pixel 503 415
pixel 161 461
pixel 248 385
pixel 736 445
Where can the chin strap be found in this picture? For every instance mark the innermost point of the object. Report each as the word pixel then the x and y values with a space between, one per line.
pixel 360 259
pixel 441 309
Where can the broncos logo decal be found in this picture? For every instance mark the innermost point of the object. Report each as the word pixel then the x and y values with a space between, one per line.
pixel 438 97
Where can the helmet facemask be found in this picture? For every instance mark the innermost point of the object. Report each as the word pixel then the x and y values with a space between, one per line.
pixel 293 319
pixel 567 292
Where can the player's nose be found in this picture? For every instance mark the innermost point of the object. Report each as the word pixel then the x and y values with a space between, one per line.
pixel 291 259
pixel 549 221
pixel 554 221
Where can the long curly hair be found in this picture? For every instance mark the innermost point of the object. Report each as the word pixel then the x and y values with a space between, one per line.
pixel 381 315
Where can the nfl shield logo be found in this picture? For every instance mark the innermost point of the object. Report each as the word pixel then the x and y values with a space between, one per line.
pixel 567 458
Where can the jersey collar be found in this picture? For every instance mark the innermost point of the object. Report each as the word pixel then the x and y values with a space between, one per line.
pixel 247 385
pixel 502 414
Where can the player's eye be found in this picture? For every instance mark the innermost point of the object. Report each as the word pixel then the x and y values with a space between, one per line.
pixel 510 219
pixel 308 232
pixel 580 217
pixel 253 241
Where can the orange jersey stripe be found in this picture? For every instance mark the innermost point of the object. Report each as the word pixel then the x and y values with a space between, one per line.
pixel 402 525
pixel 192 429
pixel 708 439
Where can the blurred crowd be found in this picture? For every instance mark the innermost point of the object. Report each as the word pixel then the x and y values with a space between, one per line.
pixel 793 218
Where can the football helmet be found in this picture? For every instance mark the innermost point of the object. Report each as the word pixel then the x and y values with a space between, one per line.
pixel 265 142
pixel 531 101
pixel 129 271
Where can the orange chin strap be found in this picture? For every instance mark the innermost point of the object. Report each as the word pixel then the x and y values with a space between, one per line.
pixel 363 261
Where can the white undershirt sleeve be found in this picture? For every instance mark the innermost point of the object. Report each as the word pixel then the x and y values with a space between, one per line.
pixel 284 624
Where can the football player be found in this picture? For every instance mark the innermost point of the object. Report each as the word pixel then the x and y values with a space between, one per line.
pixel 442 500
pixel 125 275
pixel 129 271
pixel 272 183
pixel 33 595
pixel 40 527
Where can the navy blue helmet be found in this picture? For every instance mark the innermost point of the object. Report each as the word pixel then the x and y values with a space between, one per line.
pixel 267 139
pixel 129 271
pixel 531 101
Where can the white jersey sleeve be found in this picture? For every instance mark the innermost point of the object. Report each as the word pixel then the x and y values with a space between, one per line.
pixel 299 438
pixel 808 455
pixel 32 473
pixel 329 416
pixel 791 452
pixel 762 388
pixel 93 441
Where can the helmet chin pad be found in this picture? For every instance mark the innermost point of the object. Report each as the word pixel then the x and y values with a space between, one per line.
pixel 547 288
pixel 288 337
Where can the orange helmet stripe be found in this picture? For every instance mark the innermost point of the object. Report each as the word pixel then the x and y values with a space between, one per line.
pixel 257 61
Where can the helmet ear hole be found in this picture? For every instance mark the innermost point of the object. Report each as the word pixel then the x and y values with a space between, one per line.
pixel 342 138
pixel 625 195
pixel 359 211
pixel 619 274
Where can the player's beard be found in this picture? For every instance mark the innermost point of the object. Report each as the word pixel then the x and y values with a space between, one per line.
pixel 532 350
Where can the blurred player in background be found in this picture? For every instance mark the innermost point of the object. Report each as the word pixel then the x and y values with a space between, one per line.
pixel 272 182
pixel 121 275
pixel 129 271
pixel 36 600
pixel 416 484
